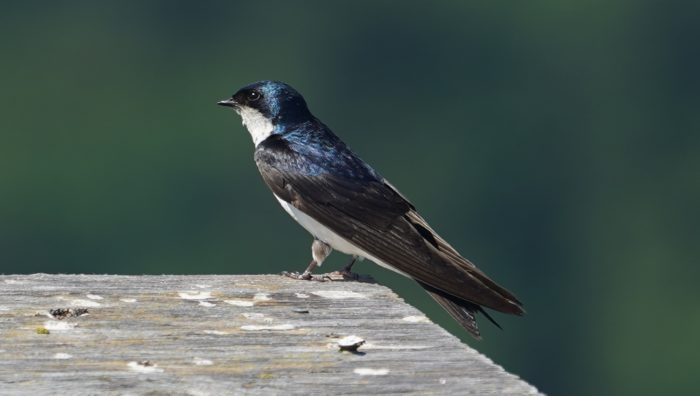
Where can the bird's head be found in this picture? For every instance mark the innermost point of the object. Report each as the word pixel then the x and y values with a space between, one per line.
pixel 268 106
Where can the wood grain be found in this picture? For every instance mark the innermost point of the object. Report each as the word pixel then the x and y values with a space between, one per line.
pixel 215 334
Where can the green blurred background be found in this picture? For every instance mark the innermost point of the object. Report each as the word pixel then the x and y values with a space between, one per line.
pixel 556 144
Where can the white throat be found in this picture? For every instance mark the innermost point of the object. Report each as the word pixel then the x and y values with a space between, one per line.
pixel 258 126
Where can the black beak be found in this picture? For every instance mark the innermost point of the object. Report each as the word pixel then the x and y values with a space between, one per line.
pixel 227 102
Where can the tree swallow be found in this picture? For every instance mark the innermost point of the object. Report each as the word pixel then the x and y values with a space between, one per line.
pixel 347 206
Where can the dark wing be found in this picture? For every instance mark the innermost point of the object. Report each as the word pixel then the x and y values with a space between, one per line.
pixel 376 218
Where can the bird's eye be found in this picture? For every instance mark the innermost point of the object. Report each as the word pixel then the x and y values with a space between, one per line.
pixel 253 96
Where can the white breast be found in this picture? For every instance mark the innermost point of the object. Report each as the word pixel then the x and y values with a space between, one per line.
pixel 323 233
pixel 258 126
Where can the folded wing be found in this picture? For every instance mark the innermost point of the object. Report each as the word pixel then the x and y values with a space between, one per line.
pixel 378 219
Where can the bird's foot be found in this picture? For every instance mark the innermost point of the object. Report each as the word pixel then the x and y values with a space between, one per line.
pixel 305 276
pixel 347 276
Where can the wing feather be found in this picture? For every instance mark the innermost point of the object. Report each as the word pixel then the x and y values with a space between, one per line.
pixel 375 217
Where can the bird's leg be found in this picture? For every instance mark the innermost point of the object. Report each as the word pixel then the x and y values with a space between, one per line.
pixel 319 251
pixel 309 269
pixel 345 273
pixel 306 275
pixel 347 270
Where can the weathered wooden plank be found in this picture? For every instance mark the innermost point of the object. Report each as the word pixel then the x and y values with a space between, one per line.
pixel 199 335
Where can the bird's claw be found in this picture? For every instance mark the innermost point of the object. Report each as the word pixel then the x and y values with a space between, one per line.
pixel 335 276
pixel 305 276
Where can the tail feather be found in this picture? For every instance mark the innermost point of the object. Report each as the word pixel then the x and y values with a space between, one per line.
pixel 504 301
pixel 464 312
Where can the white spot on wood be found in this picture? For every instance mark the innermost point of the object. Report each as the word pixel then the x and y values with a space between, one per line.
pixel 94 297
pixel 443 381
pixel 206 304
pixel 240 303
pixel 215 332
pixel 261 297
pixel 62 356
pixel 195 295
pixel 85 303
pixel 202 362
pixel 14 282
pixel 301 295
pixel 256 316
pixel 140 367
pixel 338 294
pixel 200 286
pixel 416 319
pixel 128 300
pixel 54 325
pixel 370 371
pixel 276 327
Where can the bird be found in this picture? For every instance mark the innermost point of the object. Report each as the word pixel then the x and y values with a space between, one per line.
pixel 349 207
